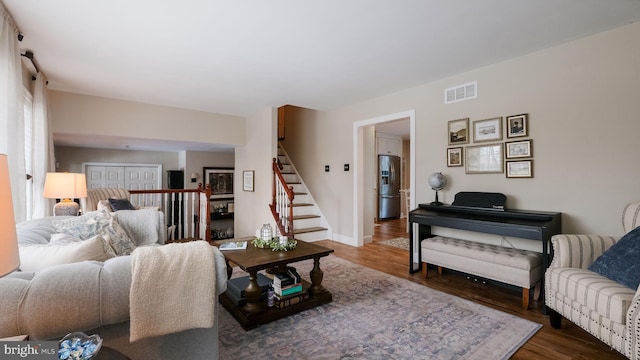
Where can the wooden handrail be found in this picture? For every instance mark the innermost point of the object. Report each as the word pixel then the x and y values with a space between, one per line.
pixel 168 191
pixel 277 176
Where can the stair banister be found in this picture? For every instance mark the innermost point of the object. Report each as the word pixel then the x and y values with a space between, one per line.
pixel 190 218
pixel 282 200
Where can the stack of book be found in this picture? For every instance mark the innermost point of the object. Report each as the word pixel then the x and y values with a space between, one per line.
pixel 236 287
pixel 287 288
pixel 287 283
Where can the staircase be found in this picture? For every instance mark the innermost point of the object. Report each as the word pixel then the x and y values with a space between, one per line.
pixel 308 222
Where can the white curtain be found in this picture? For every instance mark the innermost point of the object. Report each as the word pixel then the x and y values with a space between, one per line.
pixel 12 111
pixel 42 147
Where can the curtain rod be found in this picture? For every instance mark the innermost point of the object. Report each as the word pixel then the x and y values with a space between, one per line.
pixel 29 55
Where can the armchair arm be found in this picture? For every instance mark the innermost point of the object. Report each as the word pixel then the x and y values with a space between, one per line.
pixel 579 251
pixel 632 347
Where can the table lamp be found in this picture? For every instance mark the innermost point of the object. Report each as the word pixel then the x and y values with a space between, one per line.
pixel 9 257
pixel 65 186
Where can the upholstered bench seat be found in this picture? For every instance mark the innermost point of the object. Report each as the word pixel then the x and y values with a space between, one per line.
pixel 516 267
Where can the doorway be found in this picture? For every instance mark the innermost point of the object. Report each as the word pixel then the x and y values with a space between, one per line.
pixel 363 156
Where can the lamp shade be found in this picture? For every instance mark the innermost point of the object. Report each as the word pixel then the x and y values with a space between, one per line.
pixel 9 256
pixel 65 186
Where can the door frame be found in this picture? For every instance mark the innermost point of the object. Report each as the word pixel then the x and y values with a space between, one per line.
pixel 358 161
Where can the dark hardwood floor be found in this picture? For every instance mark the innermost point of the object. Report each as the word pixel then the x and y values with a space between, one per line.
pixel 570 342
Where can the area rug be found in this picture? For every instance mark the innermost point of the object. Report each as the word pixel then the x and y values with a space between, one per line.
pixel 378 316
pixel 400 242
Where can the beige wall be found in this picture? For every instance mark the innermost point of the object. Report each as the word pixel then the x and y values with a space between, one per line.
pixel 252 207
pixel 84 114
pixel 70 159
pixel 583 108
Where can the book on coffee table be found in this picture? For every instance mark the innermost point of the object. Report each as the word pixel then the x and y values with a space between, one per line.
pixel 233 245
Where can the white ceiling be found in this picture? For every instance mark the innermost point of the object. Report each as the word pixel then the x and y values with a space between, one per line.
pixel 235 57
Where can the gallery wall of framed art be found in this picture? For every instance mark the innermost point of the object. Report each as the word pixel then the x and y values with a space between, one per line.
pixel 480 146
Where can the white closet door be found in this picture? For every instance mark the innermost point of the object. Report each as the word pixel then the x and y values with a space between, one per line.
pixel 114 177
pixel 95 176
pixel 140 178
pixel 130 177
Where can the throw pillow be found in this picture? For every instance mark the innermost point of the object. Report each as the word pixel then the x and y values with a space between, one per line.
pixel 121 204
pixel 99 222
pixel 104 204
pixel 35 257
pixel 620 263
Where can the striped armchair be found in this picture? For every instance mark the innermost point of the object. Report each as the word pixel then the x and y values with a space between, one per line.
pixel 604 308
pixel 90 203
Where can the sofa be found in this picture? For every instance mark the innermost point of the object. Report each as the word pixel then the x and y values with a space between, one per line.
pixel 93 295
pixel 593 282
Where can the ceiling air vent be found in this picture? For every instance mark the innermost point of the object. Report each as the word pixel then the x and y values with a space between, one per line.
pixel 461 92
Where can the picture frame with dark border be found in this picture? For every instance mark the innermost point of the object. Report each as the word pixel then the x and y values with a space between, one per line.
pixel 221 181
pixel 519 169
pixel 484 159
pixel 517 125
pixel 487 130
pixel 458 131
pixel 454 156
pixel 247 180
pixel 518 149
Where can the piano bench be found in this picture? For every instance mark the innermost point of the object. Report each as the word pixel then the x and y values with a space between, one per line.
pixel 516 267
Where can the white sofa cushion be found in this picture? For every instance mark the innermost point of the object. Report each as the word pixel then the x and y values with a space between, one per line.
pixel 35 257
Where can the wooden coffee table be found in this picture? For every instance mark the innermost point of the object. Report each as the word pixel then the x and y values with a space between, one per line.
pixel 252 260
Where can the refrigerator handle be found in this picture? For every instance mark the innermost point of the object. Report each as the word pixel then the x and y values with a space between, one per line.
pixel 393 171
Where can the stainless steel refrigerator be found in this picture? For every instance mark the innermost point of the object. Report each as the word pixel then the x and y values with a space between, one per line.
pixel 388 187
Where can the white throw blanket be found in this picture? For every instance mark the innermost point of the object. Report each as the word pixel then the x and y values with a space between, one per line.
pixel 143 226
pixel 172 289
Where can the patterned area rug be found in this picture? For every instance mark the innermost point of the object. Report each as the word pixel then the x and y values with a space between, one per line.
pixel 401 242
pixel 378 316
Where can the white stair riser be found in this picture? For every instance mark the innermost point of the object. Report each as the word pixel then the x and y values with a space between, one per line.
pixel 307 223
pixel 290 178
pixel 304 210
pixel 287 169
pixel 302 198
pixel 313 236
pixel 299 188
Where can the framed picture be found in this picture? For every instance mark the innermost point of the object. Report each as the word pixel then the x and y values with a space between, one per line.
pixel 518 149
pixel 484 159
pixel 247 180
pixel 517 125
pixel 520 169
pixel 220 180
pixel 454 156
pixel 458 131
pixel 487 130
